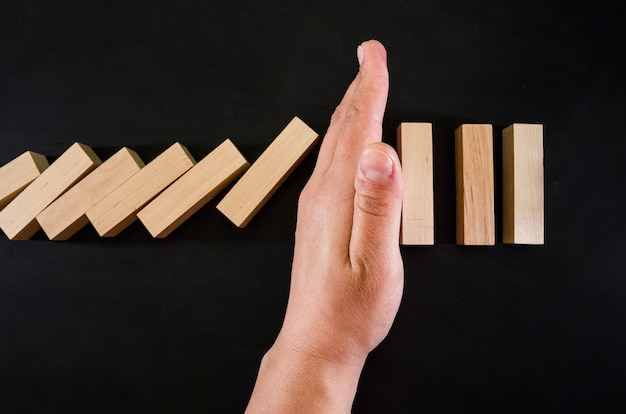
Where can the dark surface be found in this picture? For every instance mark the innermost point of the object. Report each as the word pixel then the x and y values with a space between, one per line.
pixel 131 324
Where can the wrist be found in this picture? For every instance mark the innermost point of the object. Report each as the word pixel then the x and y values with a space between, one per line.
pixel 301 381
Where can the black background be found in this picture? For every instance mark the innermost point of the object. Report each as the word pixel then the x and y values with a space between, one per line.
pixel 132 324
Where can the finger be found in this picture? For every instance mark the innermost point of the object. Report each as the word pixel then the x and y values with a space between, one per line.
pixel 327 149
pixel 362 116
pixel 377 206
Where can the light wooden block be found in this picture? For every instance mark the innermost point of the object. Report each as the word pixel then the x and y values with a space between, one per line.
pixel 18 173
pixel 267 173
pixel 65 216
pixel 119 209
pixel 475 217
pixel 193 190
pixel 522 182
pixel 415 148
pixel 18 219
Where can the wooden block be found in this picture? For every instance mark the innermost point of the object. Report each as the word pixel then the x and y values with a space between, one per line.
pixel 65 216
pixel 18 173
pixel 415 148
pixel 475 218
pixel 267 173
pixel 193 190
pixel 119 209
pixel 18 219
pixel 522 170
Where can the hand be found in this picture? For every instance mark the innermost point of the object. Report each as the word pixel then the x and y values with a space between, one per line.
pixel 347 276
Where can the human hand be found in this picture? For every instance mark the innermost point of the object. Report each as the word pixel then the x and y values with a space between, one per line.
pixel 347 276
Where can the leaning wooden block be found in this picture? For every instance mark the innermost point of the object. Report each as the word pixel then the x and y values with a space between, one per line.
pixel 475 218
pixel 119 209
pixel 264 177
pixel 415 147
pixel 18 219
pixel 193 190
pixel 17 174
pixel 522 182
pixel 63 218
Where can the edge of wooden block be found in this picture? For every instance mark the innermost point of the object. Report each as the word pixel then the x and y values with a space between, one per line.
pixel 508 186
pixel 458 163
pixel 39 162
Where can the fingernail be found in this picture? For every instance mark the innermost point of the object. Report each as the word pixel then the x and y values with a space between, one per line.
pixel 359 54
pixel 375 165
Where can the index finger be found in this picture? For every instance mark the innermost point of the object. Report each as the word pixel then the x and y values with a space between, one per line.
pixel 361 116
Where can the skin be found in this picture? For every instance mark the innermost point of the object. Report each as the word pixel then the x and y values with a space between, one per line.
pixel 347 276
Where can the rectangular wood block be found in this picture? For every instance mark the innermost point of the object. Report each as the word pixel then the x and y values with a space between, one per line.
pixel 475 217
pixel 193 190
pixel 522 182
pixel 119 209
pixel 18 173
pixel 415 148
pixel 18 219
pixel 67 214
pixel 267 173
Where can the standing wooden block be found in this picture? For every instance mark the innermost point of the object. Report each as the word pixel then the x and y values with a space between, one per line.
pixel 264 177
pixel 193 190
pixel 17 174
pixel 18 219
pixel 522 169
pixel 415 147
pixel 475 217
pixel 63 218
pixel 119 209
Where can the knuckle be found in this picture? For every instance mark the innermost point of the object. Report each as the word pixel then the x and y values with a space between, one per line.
pixel 306 196
pixel 314 197
pixel 355 114
pixel 338 114
pixel 374 203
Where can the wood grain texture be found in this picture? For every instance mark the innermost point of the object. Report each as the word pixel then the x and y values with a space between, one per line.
pixel 267 173
pixel 18 173
pixel 522 184
pixel 415 148
pixel 193 190
pixel 119 209
pixel 67 214
pixel 18 219
pixel 475 216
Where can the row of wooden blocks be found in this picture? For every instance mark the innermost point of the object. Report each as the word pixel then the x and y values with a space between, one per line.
pixel 62 198
pixel 78 188
pixel 523 187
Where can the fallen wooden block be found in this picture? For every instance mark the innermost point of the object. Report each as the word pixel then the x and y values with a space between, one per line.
pixel 65 216
pixel 415 148
pixel 522 184
pixel 193 190
pixel 18 219
pixel 18 173
pixel 119 209
pixel 475 217
pixel 267 173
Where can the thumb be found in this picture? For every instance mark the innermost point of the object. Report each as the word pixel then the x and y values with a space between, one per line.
pixel 377 206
